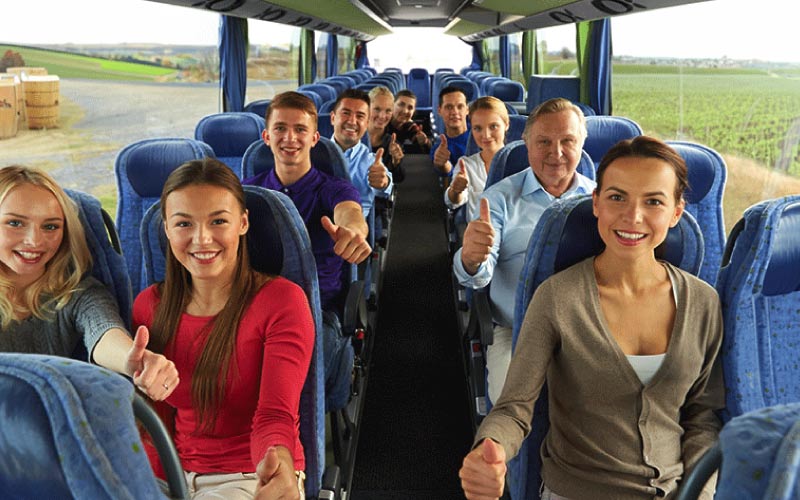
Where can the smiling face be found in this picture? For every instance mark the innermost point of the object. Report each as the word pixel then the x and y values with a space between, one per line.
pixel 554 145
pixel 290 134
pixel 380 112
pixel 636 205
pixel 488 130
pixel 203 224
pixel 403 110
pixel 349 122
pixel 32 231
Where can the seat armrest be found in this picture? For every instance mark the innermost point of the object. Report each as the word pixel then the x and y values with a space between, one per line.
pixel 692 485
pixel 331 483
pixel 162 441
pixel 480 319
pixel 355 308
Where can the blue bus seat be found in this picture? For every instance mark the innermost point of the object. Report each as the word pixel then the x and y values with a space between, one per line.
pixel 325 91
pixel 318 100
pixel 419 82
pixel 759 455
pixel 507 90
pixel 108 264
pixel 141 169
pixel 278 244
pixel 69 432
pixel 486 82
pixel 602 132
pixel 258 107
pixel 565 235
pixel 229 134
pixel 759 288
pixel 325 156
pixel 339 83
pixel 544 87
pixel 707 176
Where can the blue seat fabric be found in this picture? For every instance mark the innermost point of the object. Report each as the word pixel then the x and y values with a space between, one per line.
pixel 229 135
pixel 141 169
pixel 513 158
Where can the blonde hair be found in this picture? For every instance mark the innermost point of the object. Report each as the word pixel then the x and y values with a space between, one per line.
pixel 492 104
pixel 53 290
pixel 380 90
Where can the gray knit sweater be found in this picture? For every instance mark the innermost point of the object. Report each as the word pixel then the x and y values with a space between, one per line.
pixel 610 437
pixel 90 313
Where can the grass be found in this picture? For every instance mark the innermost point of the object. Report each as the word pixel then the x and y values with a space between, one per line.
pixel 67 65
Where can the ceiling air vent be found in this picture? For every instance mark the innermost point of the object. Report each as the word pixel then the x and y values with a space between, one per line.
pixel 420 3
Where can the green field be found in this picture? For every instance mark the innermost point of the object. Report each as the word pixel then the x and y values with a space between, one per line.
pixel 76 66
pixel 756 116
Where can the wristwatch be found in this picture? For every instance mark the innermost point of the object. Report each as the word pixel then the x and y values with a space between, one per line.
pixel 301 483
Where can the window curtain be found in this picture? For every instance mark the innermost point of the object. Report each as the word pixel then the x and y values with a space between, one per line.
pixel 233 48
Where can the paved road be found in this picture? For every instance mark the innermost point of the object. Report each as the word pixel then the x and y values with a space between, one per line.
pixel 115 114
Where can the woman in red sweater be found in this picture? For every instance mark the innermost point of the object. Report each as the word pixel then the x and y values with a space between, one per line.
pixel 243 340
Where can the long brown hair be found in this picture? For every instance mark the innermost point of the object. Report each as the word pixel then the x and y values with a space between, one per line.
pixel 54 289
pixel 212 368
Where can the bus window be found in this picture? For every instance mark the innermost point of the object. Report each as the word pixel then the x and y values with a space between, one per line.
pixel 410 48
pixel 515 50
pixel 729 81
pixel 347 60
pixel 557 47
pixel 272 62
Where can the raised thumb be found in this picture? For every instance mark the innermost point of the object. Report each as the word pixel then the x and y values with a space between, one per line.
pixel 329 226
pixel 269 466
pixel 463 170
pixel 486 213
pixel 492 452
pixel 379 155
pixel 394 137
pixel 140 341
pixel 444 139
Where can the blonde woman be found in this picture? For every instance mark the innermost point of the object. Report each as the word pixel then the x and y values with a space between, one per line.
pixel 48 302
pixel 489 119
pixel 380 116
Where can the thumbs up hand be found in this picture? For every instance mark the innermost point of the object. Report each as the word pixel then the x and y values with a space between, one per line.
pixel 483 471
pixel 154 374
pixel 478 240
pixel 460 180
pixel 441 157
pixel 276 479
pixel 377 177
pixel 349 245
pixel 395 150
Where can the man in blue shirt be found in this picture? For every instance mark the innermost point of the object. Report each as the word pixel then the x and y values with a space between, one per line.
pixel 330 208
pixel 495 244
pixel 349 117
pixel 451 145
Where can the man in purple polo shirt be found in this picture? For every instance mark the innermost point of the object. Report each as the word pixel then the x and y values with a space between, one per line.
pixel 331 210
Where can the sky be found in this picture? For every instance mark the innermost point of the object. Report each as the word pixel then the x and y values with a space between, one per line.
pixel 752 30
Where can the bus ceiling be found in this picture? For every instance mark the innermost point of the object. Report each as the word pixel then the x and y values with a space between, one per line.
pixel 470 20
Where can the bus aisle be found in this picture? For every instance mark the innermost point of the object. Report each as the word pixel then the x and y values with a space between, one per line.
pixel 416 427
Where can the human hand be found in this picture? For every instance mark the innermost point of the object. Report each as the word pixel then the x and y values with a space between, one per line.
pixel 483 471
pixel 442 155
pixel 478 240
pixel 349 245
pixel 376 176
pixel 276 478
pixel 460 181
pixel 395 150
pixel 153 373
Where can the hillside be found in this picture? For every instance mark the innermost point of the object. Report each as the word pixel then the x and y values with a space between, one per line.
pixel 67 65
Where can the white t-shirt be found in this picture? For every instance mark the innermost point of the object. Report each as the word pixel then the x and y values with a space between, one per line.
pixel 476 175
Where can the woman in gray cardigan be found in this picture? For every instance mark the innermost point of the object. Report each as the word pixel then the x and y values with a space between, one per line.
pixel 48 303
pixel 631 371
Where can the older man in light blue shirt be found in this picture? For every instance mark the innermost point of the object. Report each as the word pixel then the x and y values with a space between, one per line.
pixel 369 175
pixel 495 243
